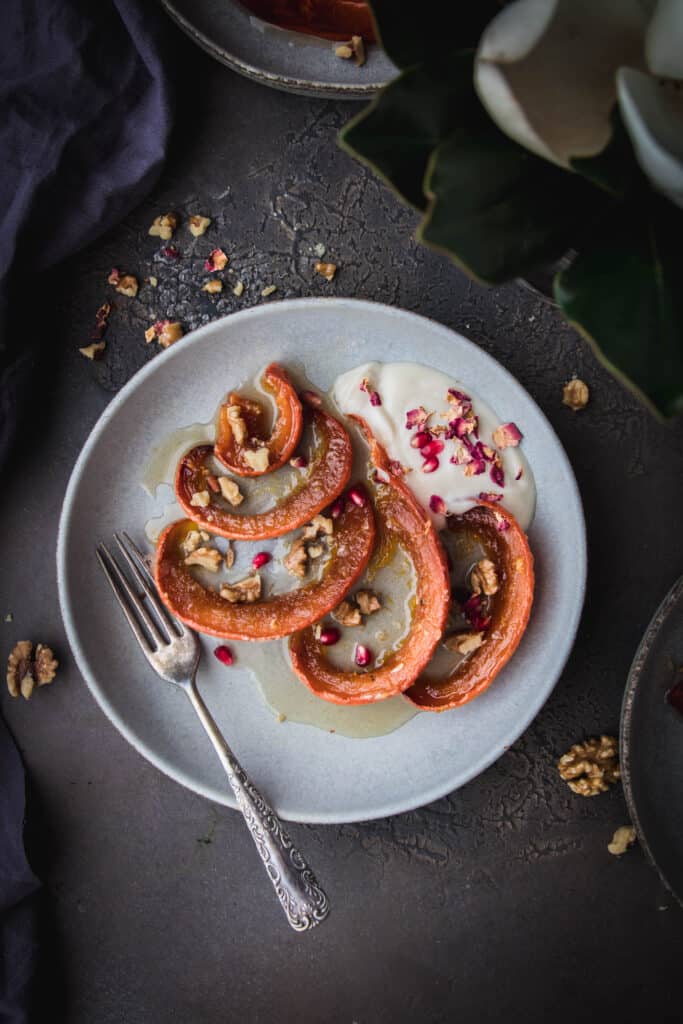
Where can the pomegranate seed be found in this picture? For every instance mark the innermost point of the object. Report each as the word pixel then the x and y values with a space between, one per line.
pixel 429 465
pixel 299 462
pixel 420 439
pixel 363 655
pixel 328 636
pixel 213 483
pixel 431 448
pixel 337 507
pixel 358 495
pixel 261 559
pixel 437 505
pixel 416 417
pixel 224 654
pixel 489 496
pixel 312 398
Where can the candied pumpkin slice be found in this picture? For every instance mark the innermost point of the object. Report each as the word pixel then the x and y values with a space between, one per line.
pixel 505 544
pixel 205 610
pixel 242 445
pixel 401 516
pixel 328 475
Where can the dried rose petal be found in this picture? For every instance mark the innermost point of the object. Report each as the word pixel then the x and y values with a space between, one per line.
pixel 374 398
pixel 497 474
pixel 487 452
pixel 171 252
pixel 507 435
pixel 475 468
pixel 431 448
pixel 363 655
pixel 416 417
pixel 471 609
pixel 299 462
pixel 328 636
pixel 519 473
pixel 114 276
pixel 431 464
pixel 397 468
pixel 420 439
pixel 337 507
pixel 216 260
pixel 490 496
pixel 358 495
pixel 502 524
pixel 261 559
pixel 437 505
pixel 224 654
pixel 462 456
pixel 373 395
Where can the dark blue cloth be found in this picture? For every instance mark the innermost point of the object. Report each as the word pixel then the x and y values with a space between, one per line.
pixel 84 123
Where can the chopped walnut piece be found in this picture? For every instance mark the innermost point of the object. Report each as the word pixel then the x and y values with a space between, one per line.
pixel 213 287
pixel 238 289
pixel 152 281
pixel 230 490
pixel 319 526
pixel 207 558
pixel 198 224
pixel 326 270
pixel 464 642
pixel 127 285
pixel 26 669
pixel 229 556
pixel 368 602
pixel 200 499
pixel 193 540
pixel 237 424
pixel 164 226
pixel 150 334
pixel 575 394
pixel 624 837
pixel 168 332
pixel 354 48
pixel 484 578
pixel 258 460
pixel 589 768
pixel 347 614
pixel 93 351
pixel 268 290
pixel 295 562
pixel 246 591
pixel 314 550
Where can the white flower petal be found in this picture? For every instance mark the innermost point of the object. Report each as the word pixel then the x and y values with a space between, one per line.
pixel 652 112
pixel 545 71
pixel 664 40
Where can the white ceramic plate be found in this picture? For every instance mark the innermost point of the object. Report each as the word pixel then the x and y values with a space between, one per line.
pixel 310 775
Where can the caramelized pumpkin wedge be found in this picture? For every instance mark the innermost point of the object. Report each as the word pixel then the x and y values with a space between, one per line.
pixel 400 515
pixel 242 445
pixel 327 477
pixel 206 611
pixel 507 547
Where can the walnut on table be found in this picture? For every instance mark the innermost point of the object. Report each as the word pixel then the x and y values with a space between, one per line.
pixel 575 394
pixel 27 669
pixel 296 561
pixel 624 837
pixel 591 767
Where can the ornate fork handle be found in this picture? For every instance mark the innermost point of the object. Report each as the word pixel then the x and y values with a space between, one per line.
pixel 297 888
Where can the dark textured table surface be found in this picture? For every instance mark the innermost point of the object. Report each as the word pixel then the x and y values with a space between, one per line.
pixel 498 902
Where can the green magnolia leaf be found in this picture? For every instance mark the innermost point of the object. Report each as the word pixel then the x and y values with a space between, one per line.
pixel 497 209
pixel 414 36
pixel 396 134
pixel 623 292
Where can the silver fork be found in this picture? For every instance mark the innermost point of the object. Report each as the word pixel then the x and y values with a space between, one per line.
pixel 173 652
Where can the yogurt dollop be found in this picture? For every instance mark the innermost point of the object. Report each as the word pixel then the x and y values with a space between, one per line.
pixel 384 393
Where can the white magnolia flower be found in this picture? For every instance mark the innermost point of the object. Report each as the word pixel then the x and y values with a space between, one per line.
pixel 550 71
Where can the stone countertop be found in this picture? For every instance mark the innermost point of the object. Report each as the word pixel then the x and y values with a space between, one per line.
pixel 497 902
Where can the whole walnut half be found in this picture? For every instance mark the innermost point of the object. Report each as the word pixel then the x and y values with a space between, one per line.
pixel 590 768
pixel 27 668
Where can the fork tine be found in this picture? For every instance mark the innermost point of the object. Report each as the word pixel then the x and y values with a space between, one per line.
pixel 132 621
pixel 133 599
pixel 149 588
pixel 137 555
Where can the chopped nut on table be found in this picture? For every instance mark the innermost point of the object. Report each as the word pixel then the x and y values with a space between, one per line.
pixel 575 394
pixel 127 284
pixel 229 556
pixel 319 526
pixel 237 424
pixel 213 287
pixel 624 837
pixel 200 499
pixel 354 48
pixel 590 768
pixel 464 642
pixel 165 331
pixel 230 490
pixel 295 562
pixel 164 226
pixel 206 558
pixel 484 578
pixel 246 591
pixel 27 669
pixel 258 460
pixel 368 602
pixel 268 290
pixel 238 289
pixel 348 614
pixel 326 270
pixel 93 351
pixel 198 224
pixel 194 540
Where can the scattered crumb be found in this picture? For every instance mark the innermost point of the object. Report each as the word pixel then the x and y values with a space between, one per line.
pixel 198 225
pixel 213 287
pixel 281 717
pixel 575 394
pixel 238 289
pixel 326 270
pixel 152 281
pixel 9 617
pixel 319 250
pixel 624 837
pixel 268 290
pixel 354 48
pixel 93 351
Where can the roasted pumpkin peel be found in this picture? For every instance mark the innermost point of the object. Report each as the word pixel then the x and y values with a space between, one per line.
pixel 204 610
pixel 242 442
pixel 403 518
pixel 327 477
pixel 506 545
